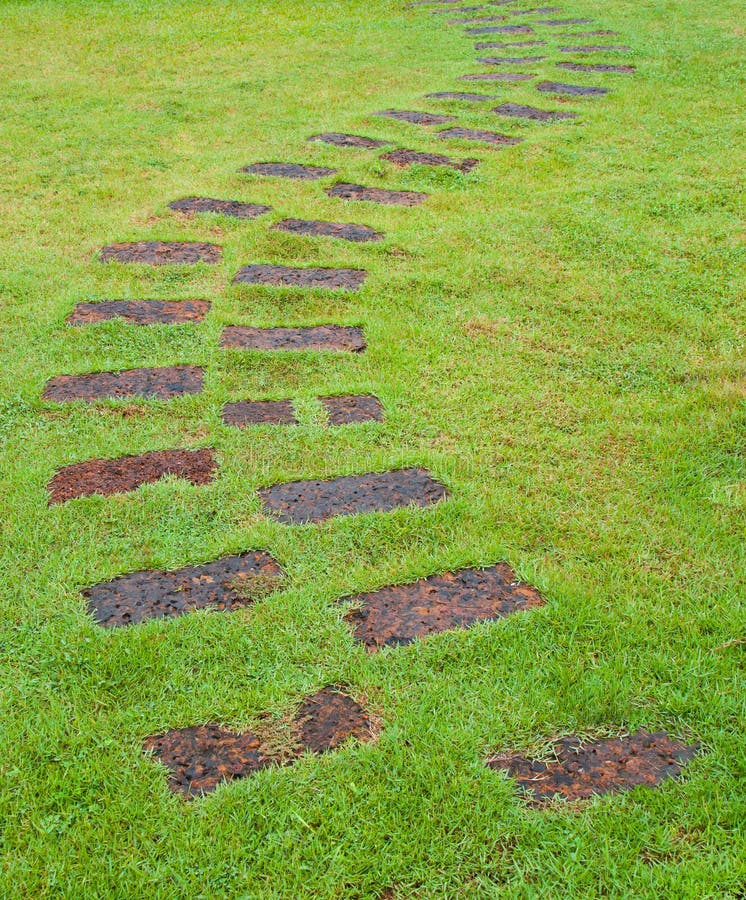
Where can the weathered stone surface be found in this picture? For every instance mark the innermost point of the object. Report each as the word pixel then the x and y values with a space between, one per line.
pixel 165 383
pixel 234 208
pixel 352 409
pixel 140 312
pixel 472 134
pixel 376 195
pixel 288 170
pixel 343 338
pixel 597 67
pixel 343 230
pixel 348 140
pixel 289 276
pixel 161 253
pixel 521 111
pixel 571 90
pixel 403 158
pixel 414 117
pixel 259 412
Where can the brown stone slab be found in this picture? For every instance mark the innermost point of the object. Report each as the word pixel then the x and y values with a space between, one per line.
pixel 259 412
pixel 190 206
pixel 502 45
pixel 414 117
pixel 376 195
pixel 598 67
pixel 509 60
pixel 288 170
pixel 345 231
pixel 119 476
pixel 401 613
pixel 580 770
pixel 299 502
pixel 403 158
pixel 536 11
pixel 353 408
pixel 473 134
pixel 161 253
pixel 497 76
pixel 224 585
pixel 521 111
pixel 598 33
pixel 329 718
pixel 555 22
pixel 343 338
pixel 501 29
pixel 348 140
pixel 140 312
pixel 460 95
pixel 476 20
pixel 461 9
pixel 570 90
pixel 289 276
pixel 165 383
pixel 595 48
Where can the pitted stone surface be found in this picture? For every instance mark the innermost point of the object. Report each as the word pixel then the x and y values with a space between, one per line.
pixel 165 383
pixel 460 95
pixel 536 11
pixel 596 67
pixel 259 412
pixel 348 140
pixel 501 29
pixel 161 253
pixel 472 134
pixel 594 48
pixel 351 409
pixel 502 45
pixel 404 158
pixel 288 170
pixel 343 338
pixel 476 20
pixel 140 312
pixel 329 718
pixel 497 76
pixel 414 117
pixel 234 208
pixel 571 90
pixel 376 195
pixel 343 230
pixel 521 111
pixel 509 60
pixel 554 22
pixel 288 276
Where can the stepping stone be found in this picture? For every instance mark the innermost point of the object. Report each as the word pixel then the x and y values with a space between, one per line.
pixel 401 613
pixel 348 140
pixel 540 11
pixel 341 338
pixel 474 134
pixel 376 195
pixel 288 276
pixel 140 312
pixel 288 170
pixel 598 67
pixel 161 253
pixel 501 29
pixel 329 718
pixel 165 383
pixel 520 111
pixel 224 585
pixel 497 76
pixel 299 502
pixel 416 118
pixel 456 95
pixel 404 158
pixel 556 87
pixel 476 20
pixel 259 412
pixel 352 409
pixel 234 208
pixel 595 48
pixel 579 769
pixel 552 22
pixel 119 476
pixel 500 45
pixel 510 60
pixel 463 9
pixel 343 230
pixel 577 34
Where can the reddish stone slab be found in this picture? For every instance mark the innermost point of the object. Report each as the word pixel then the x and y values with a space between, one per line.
pixel 597 67
pixel 497 76
pixel 161 253
pixel 554 22
pixel 376 195
pixel 521 111
pixel 347 338
pixel 288 276
pixel 259 412
pixel 460 95
pixel 345 231
pixel 401 613
pixel 119 476
pixel 570 90
pixel 501 29
pixel 288 170
pixel 414 117
pixel 472 134
pixel 329 718
pixel 352 409
pixel 509 60
pixel 403 158
pixel 223 585
pixel 165 383
pixel 188 206
pixel 140 312
pixel 299 502
pixel 580 770
pixel 348 140
pixel 594 48
pixel 502 45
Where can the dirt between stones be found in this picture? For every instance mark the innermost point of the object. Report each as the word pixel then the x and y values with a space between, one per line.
pixel 225 585
pixel 376 195
pixel 343 230
pixel 557 87
pixel 201 757
pixel 401 613
pixel 288 170
pixel 581 770
pixel 140 312
pixel 162 383
pixel 118 476
pixel 502 29
pixel 416 118
pixel 235 208
pixel 472 134
pixel 348 140
pixel 300 502
pixel 288 276
pixel 353 408
pixel 348 338
pixel 595 67
pixel 520 111
pixel 404 158
pixel 161 253
pixel 259 412
pixel 498 76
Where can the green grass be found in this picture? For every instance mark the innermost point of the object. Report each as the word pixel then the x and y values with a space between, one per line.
pixel 557 335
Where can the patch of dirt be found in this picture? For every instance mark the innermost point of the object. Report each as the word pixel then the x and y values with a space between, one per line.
pixel 414 117
pixel 165 383
pixel 473 134
pixel 348 140
pixel 509 60
pixel 498 76
pixel 460 95
pixel 140 312
pixel 191 205
pixel 259 412
pixel 354 408
pixel 521 111
pixel 501 29
pixel 343 230
pixel 119 476
pixel 161 253
pixel 288 276
pixel 403 158
pixel 580 90
pixel 376 195
pixel 329 718
pixel 158 594
pixel 288 170
pixel 348 338
pixel 594 48
pixel 596 67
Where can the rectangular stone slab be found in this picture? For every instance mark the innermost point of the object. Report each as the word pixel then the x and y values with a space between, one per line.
pixel 498 76
pixel 501 29
pixel 235 208
pixel 596 67
pixel 415 118
pixel 502 45
pixel 376 195
pixel 165 383
pixel 595 48
pixel 289 276
pixel 353 408
pixel 345 231
pixel 473 134
pixel 161 253
pixel 570 90
pixel 140 312
pixel 347 338
pixel 288 170
pixel 403 158
pixel 299 502
pixel 460 95
pixel 554 22
pixel 521 111
pixel 509 60
pixel 259 412
pixel 348 140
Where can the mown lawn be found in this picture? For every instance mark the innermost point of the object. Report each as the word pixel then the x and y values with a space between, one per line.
pixel 558 336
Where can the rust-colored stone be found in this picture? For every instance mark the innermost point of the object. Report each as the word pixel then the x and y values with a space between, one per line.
pixel 161 253
pixel 234 208
pixel 288 170
pixel 140 312
pixel 288 276
pixel 473 134
pixel 414 117
pixel 597 67
pixel 403 158
pixel 349 338
pixel 328 719
pixel 351 409
pixel 571 90
pixel 259 412
pixel 164 383
pixel 376 195
pixel 345 231
pixel 348 140
pixel 521 111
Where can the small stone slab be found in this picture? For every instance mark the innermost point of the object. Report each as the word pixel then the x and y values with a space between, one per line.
pixel 460 95
pixel 463 9
pixel 164 383
pixel 572 90
pixel 288 170
pixel 521 111
pixel 595 48
pixel 259 412
pixel 119 476
pixel 348 140
pixel 329 718
pixel 401 613
pixel 509 60
pixel 288 276
pixel 352 409
pixel 475 134
pixel 598 33
pixel 476 20
pixel 416 118
pixel 376 195
pixel 596 67
pixel 403 158
pixel 343 338
pixel 553 22
pixel 300 502
pixel 140 312
pixel 223 585
pixel 582 769
pixel 343 230
pixel 497 76
pixel 537 11
pixel 501 45
pixel 188 206
pixel 501 29
pixel 161 253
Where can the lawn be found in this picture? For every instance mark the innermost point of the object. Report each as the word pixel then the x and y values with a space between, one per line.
pixel 557 336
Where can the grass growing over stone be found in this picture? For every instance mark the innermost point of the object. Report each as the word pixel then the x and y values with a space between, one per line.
pixel 556 335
